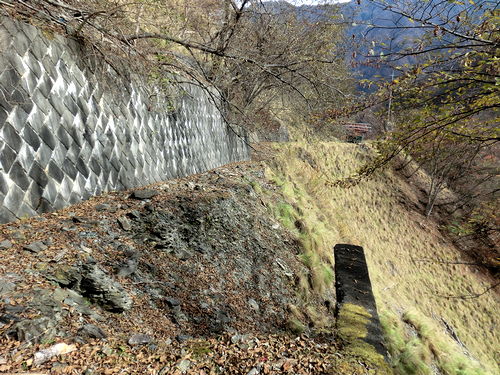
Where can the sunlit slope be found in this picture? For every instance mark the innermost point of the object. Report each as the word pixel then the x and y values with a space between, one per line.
pixel 426 332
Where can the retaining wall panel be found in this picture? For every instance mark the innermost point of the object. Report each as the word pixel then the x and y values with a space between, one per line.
pixel 72 127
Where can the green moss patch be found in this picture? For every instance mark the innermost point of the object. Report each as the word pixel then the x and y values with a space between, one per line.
pixel 352 328
pixel 379 214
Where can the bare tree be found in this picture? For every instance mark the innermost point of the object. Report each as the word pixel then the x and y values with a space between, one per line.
pixel 446 98
pixel 252 52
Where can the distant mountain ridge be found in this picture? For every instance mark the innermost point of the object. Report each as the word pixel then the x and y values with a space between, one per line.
pixel 354 15
pixel 371 29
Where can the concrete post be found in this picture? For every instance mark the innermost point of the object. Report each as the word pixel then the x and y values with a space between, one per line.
pixel 358 324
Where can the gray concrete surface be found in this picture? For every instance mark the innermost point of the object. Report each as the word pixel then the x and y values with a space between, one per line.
pixel 72 127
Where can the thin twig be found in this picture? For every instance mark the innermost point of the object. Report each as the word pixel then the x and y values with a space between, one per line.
pixel 470 296
pixel 449 262
pixel 7 4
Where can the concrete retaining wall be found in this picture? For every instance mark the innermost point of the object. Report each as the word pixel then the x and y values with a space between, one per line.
pixel 357 318
pixel 72 127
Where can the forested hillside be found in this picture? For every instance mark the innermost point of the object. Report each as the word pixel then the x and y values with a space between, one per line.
pixel 230 271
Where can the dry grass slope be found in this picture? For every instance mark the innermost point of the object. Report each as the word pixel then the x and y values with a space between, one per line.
pixel 419 322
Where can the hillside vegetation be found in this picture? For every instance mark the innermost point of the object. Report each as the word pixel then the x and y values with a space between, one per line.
pixel 193 277
pixel 209 282
pixel 430 323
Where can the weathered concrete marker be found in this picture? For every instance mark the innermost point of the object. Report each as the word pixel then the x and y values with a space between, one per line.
pixel 358 324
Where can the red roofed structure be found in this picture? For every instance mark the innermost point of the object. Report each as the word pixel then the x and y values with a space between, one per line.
pixel 356 131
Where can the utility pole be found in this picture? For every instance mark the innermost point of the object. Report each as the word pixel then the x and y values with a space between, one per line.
pixel 388 123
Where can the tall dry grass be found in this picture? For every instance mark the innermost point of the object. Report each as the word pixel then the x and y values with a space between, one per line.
pixel 426 332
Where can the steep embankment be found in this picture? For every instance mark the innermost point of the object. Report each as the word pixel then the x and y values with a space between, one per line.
pixel 230 272
pixel 432 326
pixel 195 276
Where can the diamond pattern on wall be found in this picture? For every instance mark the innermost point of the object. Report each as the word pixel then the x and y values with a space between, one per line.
pixel 67 132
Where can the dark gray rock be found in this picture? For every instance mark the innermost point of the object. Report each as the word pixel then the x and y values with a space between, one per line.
pixel 6 286
pixel 5 214
pixel 55 172
pixel 43 302
pixel 183 338
pixel 202 248
pixel 219 322
pixel 130 264
pixel 14 309
pixel 35 247
pixel 172 302
pixel 38 174
pixel 140 339
pixel 74 299
pixel 178 316
pixel 102 207
pixel 5 245
pixel 9 157
pixel 129 268
pixel 101 288
pixel 92 331
pixel 18 175
pixel 125 223
pixel 65 275
pixel 144 194
pixel 8 318
pixel 223 317
pixel 35 330
pixel 17 235
pixel 79 219
pixel 134 214
pixel 182 254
